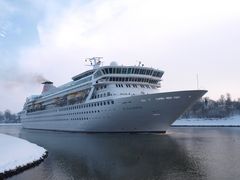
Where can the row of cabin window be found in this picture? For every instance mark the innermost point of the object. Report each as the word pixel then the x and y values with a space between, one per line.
pixel 101 87
pixel 144 80
pixel 84 112
pixel 75 119
pixel 102 103
pixel 131 71
pixel 101 95
pixel 135 86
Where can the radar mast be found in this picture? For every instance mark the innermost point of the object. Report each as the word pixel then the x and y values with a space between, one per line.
pixel 95 62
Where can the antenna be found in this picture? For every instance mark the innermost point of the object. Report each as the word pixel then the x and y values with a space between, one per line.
pixel 140 63
pixel 95 62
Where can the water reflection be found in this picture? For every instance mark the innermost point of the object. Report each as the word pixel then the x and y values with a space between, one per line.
pixel 111 156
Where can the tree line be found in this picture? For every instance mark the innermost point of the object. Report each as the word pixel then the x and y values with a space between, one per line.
pixel 8 117
pixel 208 108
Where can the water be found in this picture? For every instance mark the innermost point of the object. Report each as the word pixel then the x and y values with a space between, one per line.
pixel 182 153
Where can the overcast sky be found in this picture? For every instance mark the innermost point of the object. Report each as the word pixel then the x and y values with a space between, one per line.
pixel 41 38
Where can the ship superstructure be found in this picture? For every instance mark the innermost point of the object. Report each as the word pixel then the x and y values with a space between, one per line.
pixel 108 99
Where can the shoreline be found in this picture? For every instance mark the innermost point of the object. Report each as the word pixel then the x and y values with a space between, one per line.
pixel 205 125
pixel 233 121
pixel 10 124
pixel 18 155
pixel 20 169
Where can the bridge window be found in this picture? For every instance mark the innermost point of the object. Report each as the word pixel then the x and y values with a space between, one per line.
pixel 118 70
pixel 103 70
pixel 97 74
pixel 136 71
pixel 148 72
pixel 151 72
pixel 106 70
pixel 124 71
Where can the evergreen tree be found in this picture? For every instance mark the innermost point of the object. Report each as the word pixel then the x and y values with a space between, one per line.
pixel 1 117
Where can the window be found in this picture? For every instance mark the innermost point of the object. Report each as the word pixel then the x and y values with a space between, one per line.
pixel 136 71
pixel 97 74
pixel 107 70
pixel 103 70
pixel 129 70
pixel 118 70
pixel 124 71
pixel 147 72
pixel 151 72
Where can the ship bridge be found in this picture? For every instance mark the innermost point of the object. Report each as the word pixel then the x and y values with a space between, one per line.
pixel 128 74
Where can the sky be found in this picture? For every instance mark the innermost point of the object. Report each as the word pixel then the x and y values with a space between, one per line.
pixel 42 39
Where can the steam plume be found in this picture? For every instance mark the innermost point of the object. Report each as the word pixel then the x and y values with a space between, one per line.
pixel 22 80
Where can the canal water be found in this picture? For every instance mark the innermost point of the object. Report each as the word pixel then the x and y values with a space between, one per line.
pixel 182 153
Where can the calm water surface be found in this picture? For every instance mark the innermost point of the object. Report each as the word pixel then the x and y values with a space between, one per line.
pixel 182 153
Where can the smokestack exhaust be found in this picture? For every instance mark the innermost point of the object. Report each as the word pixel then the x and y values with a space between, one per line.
pixel 47 86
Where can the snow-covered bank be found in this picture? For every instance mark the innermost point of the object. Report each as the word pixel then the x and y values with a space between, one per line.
pixel 17 154
pixel 233 121
pixel 10 124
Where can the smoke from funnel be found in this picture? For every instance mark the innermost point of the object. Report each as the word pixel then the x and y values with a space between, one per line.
pixel 19 80
pixel 38 79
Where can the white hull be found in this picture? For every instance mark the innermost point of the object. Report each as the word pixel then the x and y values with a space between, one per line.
pixel 143 113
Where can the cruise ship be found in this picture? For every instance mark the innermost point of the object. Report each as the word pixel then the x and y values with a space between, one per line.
pixel 108 99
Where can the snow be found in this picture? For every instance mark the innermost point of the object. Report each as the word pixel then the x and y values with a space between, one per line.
pixel 230 121
pixel 10 124
pixel 16 152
